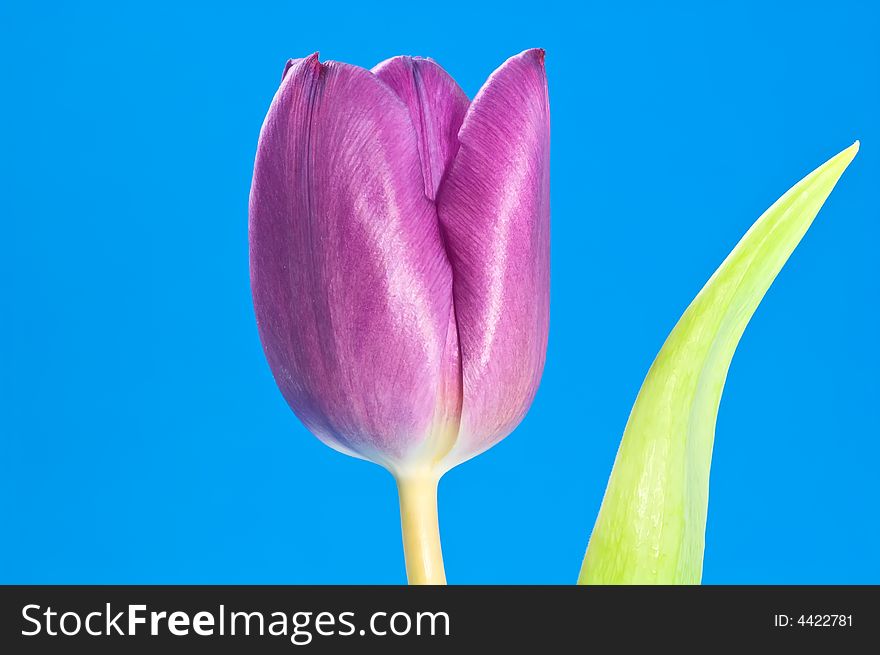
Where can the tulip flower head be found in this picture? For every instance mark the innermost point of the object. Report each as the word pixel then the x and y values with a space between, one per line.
pixel 399 259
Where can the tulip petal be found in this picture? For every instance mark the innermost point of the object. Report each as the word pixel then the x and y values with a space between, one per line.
pixel 494 210
pixel 351 284
pixel 437 107
pixel 652 523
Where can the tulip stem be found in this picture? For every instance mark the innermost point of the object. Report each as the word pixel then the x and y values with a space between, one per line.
pixel 421 529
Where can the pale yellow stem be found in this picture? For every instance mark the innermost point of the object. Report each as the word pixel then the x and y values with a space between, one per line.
pixel 421 529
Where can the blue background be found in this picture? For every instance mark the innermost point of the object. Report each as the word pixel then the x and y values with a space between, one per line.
pixel 142 439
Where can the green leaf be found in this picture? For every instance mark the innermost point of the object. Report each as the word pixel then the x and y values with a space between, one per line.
pixel 652 523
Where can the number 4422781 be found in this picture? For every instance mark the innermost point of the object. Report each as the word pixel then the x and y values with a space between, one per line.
pixel 814 620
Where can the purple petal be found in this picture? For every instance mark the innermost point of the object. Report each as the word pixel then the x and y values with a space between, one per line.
pixel 494 208
pixel 351 284
pixel 437 106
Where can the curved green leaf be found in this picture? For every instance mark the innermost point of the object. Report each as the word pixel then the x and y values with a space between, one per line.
pixel 652 522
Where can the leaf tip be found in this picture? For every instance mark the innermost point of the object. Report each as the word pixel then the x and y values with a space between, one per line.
pixel 849 154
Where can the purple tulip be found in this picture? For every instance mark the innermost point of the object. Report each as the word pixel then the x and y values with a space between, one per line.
pixel 399 259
